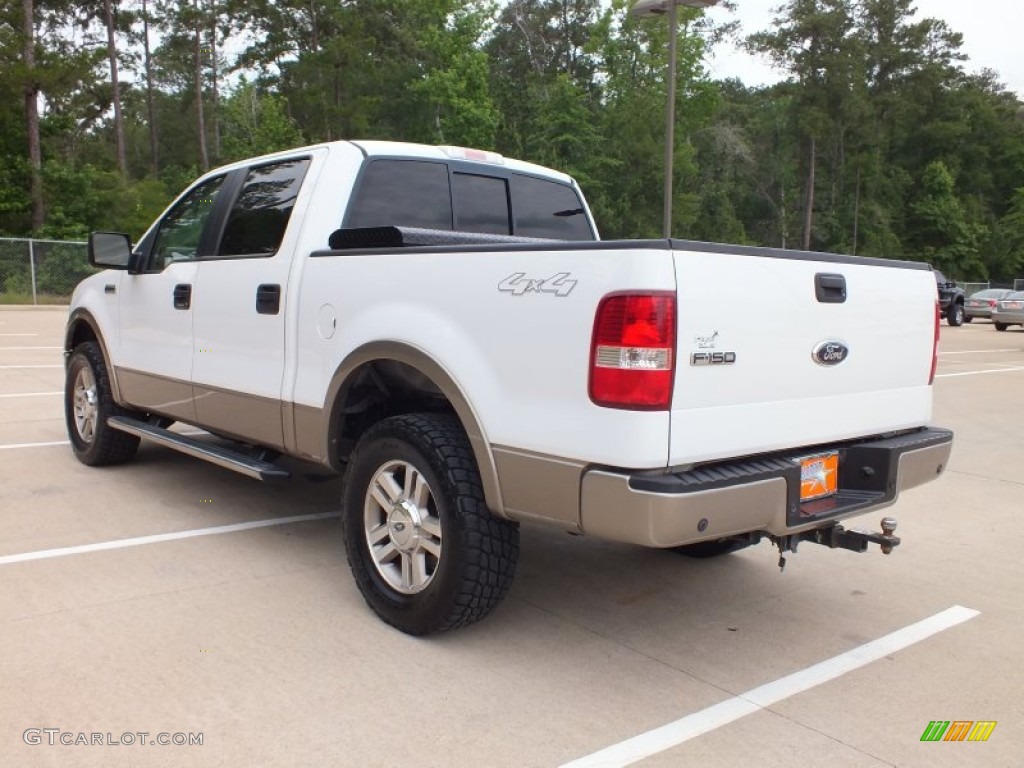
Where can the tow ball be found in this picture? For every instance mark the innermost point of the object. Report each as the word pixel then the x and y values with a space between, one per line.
pixel 837 537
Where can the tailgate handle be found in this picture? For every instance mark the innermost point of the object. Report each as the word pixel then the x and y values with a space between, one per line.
pixel 830 289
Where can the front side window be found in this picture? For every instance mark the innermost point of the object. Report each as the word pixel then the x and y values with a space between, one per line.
pixel 402 193
pixel 548 209
pixel 180 231
pixel 259 217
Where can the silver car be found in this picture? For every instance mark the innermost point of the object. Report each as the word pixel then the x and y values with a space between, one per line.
pixel 980 304
pixel 1009 311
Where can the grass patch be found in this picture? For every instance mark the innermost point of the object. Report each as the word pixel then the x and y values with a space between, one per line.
pixel 26 298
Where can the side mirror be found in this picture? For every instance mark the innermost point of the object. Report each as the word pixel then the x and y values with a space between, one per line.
pixel 110 250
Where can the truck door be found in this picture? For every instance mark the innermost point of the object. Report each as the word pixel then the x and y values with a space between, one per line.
pixel 239 305
pixel 154 350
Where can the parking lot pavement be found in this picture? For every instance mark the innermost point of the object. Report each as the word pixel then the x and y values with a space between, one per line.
pixel 257 639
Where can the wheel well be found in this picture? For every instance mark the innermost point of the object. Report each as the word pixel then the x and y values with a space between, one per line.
pixel 81 332
pixel 374 391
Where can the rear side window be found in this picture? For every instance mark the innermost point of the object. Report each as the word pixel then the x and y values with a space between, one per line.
pixel 402 193
pixel 481 204
pixel 548 209
pixel 260 215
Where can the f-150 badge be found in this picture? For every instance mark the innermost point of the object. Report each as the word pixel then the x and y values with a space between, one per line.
pixel 712 358
pixel 518 283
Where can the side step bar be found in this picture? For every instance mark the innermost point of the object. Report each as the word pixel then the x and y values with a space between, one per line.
pixel 215 454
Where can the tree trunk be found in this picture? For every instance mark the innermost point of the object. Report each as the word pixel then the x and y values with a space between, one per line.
pixel 35 157
pixel 154 157
pixel 115 87
pixel 215 93
pixel 856 211
pixel 204 158
pixel 809 209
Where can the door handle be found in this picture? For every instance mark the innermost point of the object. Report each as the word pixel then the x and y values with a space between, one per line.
pixel 268 299
pixel 183 296
pixel 830 289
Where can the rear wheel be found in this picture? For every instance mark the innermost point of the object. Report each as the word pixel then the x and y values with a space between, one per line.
pixel 426 553
pixel 88 402
pixel 955 315
pixel 1001 326
pixel 967 318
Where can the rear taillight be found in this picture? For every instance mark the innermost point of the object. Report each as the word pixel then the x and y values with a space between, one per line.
pixel 991 302
pixel 935 345
pixel 632 356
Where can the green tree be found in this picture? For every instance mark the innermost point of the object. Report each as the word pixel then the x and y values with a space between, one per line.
pixel 256 123
pixel 940 232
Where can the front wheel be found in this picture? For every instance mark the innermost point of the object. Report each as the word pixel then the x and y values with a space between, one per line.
pixel 1001 326
pixel 88 401
pixel 955 316
pixel 426 553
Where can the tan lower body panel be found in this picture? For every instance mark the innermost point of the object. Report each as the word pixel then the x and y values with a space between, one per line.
pixel 250 418
pixel 308 426
pixel 246 417
pixel 156 394
pixel 537 487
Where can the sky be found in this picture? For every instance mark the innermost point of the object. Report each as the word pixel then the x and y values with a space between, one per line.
pixel 992 31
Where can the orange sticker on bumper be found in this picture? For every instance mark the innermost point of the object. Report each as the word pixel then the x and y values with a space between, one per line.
pixel 819 476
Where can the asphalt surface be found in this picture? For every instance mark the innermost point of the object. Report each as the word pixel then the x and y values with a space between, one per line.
pixel 257 639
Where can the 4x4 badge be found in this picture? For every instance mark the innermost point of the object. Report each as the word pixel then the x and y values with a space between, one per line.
pixel 518 283
pixel 830 353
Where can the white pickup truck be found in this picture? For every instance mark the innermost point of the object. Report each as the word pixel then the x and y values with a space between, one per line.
pixel 444 327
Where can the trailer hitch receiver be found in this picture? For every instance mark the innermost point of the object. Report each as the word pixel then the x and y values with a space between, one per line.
pixel 837 537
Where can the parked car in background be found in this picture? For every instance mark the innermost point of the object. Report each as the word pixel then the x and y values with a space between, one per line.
pixel 1009 311
pixel 980 304
pixel 951 299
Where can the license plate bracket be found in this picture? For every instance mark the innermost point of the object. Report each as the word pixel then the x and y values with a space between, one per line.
pixel 819 475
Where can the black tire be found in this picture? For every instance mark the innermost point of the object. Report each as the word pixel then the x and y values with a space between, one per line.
pixel 705 549
pixel 476 551
pixel 955 314
pixel 968 318
pixel 1001 326
pixel 93 442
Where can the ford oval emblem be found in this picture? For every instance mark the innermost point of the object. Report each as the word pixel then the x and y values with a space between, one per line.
pixel 830 353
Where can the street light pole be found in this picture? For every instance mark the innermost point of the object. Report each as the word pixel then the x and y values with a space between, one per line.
pixel 660 8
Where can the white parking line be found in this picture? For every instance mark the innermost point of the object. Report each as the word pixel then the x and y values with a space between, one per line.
pixel 730 710
pixel 32 394
pixel 16 446
pixel 48 444
pixel 979 373
pixel 138 541
pixel 978 351
pixel 58 365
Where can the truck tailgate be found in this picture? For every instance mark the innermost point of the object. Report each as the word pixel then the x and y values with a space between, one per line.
pixel 749 325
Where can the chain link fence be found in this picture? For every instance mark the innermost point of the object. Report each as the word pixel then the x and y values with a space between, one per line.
pixel 971 288
pixel 41 271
